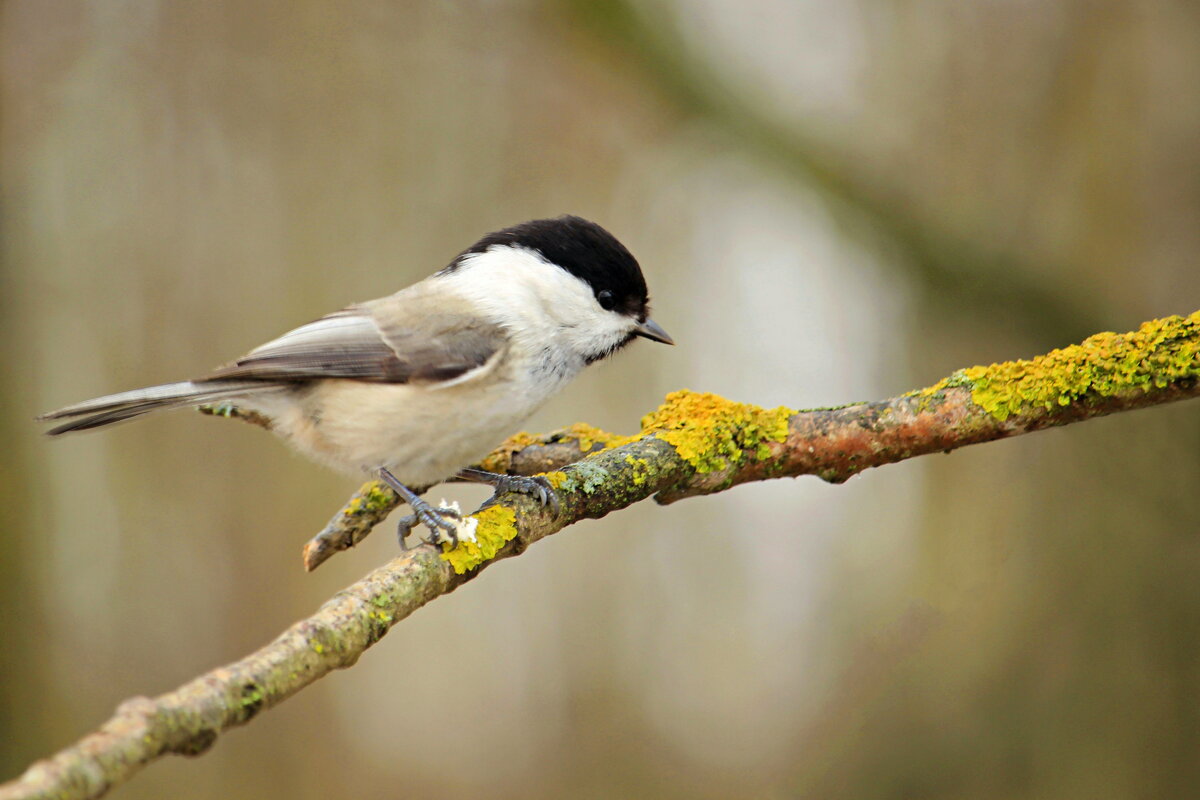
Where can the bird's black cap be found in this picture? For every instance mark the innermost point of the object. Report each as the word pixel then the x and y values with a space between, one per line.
pixel 583 249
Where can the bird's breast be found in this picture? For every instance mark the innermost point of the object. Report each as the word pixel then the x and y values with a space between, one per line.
pixel 422 433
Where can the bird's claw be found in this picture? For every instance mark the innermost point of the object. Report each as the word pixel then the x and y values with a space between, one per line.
pixel 535 486
pixel 433 518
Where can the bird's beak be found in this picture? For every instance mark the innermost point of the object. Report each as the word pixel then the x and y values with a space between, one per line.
pixel 650 330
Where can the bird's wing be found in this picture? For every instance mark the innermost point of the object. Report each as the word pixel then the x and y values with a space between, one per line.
pixel 384 341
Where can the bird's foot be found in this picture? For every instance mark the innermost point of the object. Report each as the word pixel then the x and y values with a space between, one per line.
pixel 432 517
pixel 535 486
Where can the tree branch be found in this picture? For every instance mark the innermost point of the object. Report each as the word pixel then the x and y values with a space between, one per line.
pixel 694 444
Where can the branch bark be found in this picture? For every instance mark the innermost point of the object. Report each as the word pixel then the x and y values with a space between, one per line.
pixel 694 444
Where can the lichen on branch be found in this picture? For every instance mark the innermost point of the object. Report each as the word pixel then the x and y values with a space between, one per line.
pixel 721 442
pixel 712 433
pixel 497 526
pixel 1159 353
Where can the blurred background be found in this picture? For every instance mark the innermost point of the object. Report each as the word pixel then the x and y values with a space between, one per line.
pixel 833 200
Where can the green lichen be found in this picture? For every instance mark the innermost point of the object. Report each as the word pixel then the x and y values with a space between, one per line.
pixel 381 616
pixel 586 476
pixel 712 433
pixel 1159 353
pixel 497 526
pixel 935 394
pixel 252 697
pixel 371 498
pixel 641 469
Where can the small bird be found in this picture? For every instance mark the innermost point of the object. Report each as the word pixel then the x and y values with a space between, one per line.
pixel 414 387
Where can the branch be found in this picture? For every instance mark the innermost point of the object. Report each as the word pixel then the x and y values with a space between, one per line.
pixel 694 444
pixel 522 454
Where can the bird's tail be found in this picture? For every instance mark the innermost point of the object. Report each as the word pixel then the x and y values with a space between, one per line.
pixel 113 408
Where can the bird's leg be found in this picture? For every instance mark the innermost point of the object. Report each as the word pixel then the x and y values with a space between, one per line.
pixel 432 517
pixel 536 487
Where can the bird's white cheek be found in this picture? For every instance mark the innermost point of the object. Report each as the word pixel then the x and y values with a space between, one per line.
pixel 600 336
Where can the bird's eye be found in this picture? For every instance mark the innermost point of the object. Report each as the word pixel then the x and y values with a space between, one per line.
pixel 606 300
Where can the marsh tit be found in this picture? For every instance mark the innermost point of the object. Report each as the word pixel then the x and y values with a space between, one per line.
pixel 414 387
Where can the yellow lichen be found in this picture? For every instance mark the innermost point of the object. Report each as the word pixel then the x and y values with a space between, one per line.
pixel 1159 353
pixel 587 436
pixel 497 527
pixel 711 433
pixel 641 469
pixel 371 498
pixel 556 479
pixel 498 460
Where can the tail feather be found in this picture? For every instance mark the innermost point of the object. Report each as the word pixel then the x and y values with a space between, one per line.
pixel 113 408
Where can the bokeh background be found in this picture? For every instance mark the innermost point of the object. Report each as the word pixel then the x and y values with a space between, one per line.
pixel 833 200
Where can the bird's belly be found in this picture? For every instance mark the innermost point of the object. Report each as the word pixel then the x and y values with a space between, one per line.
pixel 422 435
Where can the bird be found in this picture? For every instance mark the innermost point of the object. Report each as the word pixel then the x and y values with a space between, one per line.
pixel 415 387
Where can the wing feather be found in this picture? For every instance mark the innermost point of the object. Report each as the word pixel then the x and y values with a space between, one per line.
pixel 360 343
